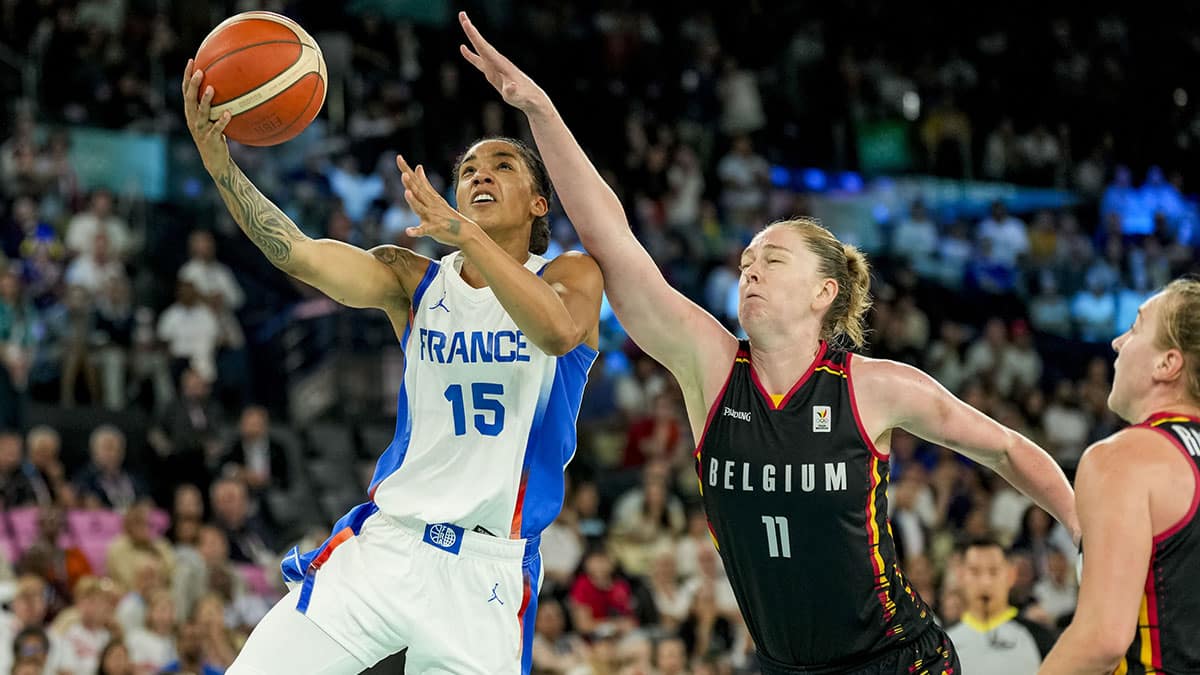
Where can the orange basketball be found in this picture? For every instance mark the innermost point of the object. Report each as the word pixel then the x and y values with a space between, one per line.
pixel 265 70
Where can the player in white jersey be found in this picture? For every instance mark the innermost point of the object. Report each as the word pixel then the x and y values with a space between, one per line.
pixel 443 558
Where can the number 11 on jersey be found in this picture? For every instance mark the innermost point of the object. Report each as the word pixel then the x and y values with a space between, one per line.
pixel 779 544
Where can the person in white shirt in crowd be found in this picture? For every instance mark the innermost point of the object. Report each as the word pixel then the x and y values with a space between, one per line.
pixel 211 278
pixel 97 267
pixel 85 628
pixel 27 610
pixel 99 218
pixel 1065 425
pixel 191 332
pixel 1008 234
pixel 744 179
pixel 916 236
pixel 356 189
pixel 1020 365
pixel 1057 591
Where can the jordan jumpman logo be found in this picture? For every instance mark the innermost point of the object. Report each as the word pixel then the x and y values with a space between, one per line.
pixel 494 596
pixel 442 304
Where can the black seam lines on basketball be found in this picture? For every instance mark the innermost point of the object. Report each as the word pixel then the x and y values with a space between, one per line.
pixel 257 44
pixel 311 95
pixel 311 72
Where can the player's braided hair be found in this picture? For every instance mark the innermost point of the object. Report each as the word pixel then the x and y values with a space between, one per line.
pixel 539 235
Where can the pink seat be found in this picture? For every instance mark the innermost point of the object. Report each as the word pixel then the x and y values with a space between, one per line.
pixel 24 526
pixel 256 579
pixel 97 522
pixel 159 522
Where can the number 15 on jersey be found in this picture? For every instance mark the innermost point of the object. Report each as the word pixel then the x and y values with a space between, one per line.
pixel 485 401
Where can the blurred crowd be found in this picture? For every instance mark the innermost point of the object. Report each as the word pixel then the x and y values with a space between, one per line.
pixel 150 474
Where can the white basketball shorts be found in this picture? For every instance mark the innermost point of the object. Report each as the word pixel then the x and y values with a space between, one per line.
pixel 460 601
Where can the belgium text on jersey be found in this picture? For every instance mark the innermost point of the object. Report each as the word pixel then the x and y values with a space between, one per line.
pixel 725 474
pixel 477 346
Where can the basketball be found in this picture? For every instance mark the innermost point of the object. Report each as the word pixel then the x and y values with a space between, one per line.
pixel 266 71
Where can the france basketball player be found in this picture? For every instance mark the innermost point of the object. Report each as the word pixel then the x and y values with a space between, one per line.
pixel 443 558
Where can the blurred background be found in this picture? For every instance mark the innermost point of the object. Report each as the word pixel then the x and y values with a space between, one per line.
pixel 176 412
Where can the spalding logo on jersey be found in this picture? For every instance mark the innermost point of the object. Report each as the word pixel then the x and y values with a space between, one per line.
pixel 444 536
pixel 822 419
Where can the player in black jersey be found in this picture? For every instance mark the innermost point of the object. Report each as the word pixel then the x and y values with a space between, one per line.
pixel 1139 600
pixel 794 431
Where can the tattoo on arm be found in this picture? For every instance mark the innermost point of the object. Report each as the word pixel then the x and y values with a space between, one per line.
pixel 270 230
pixel 455 226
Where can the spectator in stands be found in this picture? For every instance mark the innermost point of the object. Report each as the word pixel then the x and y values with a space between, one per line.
pixel 667 603
pixel 356 189
pixel 944 359
pixel 220 643
pixel 556 651
pixel 191 332
pixel 249 540
pixel 150 373
pixel 707 628
pixel 152 646
pixel 15 487
pixel 745 177
pixel 710 573
pixel 644 518
pixel 916 236
pixel 1020 366
pixel 99 218
pixel 194 656
pixel 137 541
pixel 105 482
pixel 133 607
pixel 187 436
pixel 113 340
pixel 993 639
pixel 86 627
pixel 600 598
pixel 1049 311
pixel 1008 235
pixel 1057 591
pixel 984 355
pixel 636 390
pixel 656 433
pixel 33 653
pixel 562 548
pixel 45 469
pixel 28 613
pixel 213 280
pixel 19 323
pixel 1094 309
pixel 1064 424
pixel 61 564
pixel 259 461
pixel 670 656
pixel 114 659
pixel 97 268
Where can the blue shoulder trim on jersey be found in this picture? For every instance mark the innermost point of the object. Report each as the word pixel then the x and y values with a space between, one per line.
pixel 543 269
pixel 430 273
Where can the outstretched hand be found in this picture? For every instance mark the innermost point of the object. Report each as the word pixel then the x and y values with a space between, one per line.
pixel 438 219
pixel 516 87
pixel 208 135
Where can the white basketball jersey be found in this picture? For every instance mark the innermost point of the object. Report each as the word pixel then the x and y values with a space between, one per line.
pixel 485 421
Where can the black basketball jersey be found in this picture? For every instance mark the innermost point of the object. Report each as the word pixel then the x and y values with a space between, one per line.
pixel 796 497
pixel 1169 616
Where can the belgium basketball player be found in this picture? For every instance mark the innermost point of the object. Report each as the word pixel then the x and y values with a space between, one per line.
pixel 794 430
pixel 1137 492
